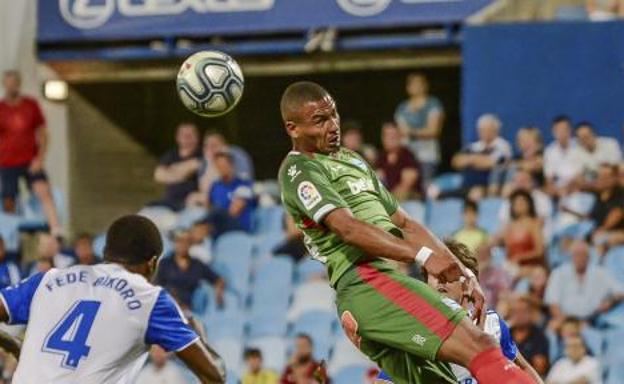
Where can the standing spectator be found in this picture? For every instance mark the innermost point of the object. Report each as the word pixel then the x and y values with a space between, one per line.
pixel 608 210
pixel 160 370
pixel 23 147
pixel 531 154
pixel 531 341
pixel 231 199
pixel 481 158
pixel 470 234
pixel 580 289
pixel 420 119
pixel 9 272
pixel 576 367
pixel 182 274
pixel 352 138
pixel 177 168
pixel 397 167
pixel 255 373
pixel 83 248
pixel 49 248
pixel 597 150
pixel 522 235
pixel 302 364
pixel 563 160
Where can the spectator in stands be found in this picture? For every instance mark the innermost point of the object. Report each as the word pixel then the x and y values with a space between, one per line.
pixel 471 234
pixel 255 373
pixel 181 274
pixel 530 339
pixel 83 248
pixel 563 160
pixel 523 234
pixel 231 199
pixel 604 10
pixel 202 244
pixel 534 286
pixel 530 157
pixel 292 245
pixel 397 167
pixel 608 210
pixel 178 168
pixel 49 248
pixel 160 370
pixel 478 161
pixel 353 139
pixel 522 180
pixel 302 364
pixel 9 272
pixel 420 119
pixel 23 148
pixel 494 279
pixel 580 289
pixel 576 367
pixel 42 265
pixel 570 327
pixel 597 150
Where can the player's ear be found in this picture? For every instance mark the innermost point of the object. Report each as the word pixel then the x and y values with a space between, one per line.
pixel 291 129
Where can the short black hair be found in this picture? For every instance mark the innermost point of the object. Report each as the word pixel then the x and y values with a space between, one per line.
pixel 132 239
pixel 305 336
pixel 298 94
pixel 84 236
pixel 561 119
pixel 471 205
pixel 584 123
pixel 252 352
pixel 224 154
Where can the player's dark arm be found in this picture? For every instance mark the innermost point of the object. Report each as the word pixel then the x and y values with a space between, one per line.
pixel 8 342
pixel 205 363
pixel 521 362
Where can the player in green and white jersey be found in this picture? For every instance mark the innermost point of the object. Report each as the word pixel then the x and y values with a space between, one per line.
pixel 352 223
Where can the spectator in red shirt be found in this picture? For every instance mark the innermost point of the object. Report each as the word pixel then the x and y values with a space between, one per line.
pixel 23 146
pixel 397 167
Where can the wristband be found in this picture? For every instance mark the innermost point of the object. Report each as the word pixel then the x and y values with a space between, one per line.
pixel 423 255
pixel 470 274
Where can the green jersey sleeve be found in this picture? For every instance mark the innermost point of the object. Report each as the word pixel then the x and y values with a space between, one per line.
pixel 307 189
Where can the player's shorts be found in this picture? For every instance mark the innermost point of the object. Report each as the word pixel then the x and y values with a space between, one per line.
pixel 397 321
pixel 9 179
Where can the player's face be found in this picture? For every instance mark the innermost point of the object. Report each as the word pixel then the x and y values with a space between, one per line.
pixel 317 128
pixel 451 290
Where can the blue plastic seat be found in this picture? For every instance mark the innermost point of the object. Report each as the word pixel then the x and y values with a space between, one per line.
pixel 233 245
pixel 319 326
pixel 9 230
pixel 273 351
pixel 445 216
pixel 615 373
pixel 190 216
pixel 614 262
pixel 275 268
pixel 236 273
pixel 267 323
pixel 231 350
pixel 614 348
pixel 415 209
pixel 270 219
pixel 350 375
pixel 307 268
pixel 594 339
pixel 571 13
pixel 265 243
pixel 488 214
pixel 448 182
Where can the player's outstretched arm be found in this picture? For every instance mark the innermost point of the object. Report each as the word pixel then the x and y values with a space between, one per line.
pixel 205 363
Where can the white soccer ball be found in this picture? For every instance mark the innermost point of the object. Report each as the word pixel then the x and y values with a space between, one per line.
pixel 210 83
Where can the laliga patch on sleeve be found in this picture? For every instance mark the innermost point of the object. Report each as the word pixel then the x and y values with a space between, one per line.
pixel 308 194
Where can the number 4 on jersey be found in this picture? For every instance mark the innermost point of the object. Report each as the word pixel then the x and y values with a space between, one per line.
pixel 69 336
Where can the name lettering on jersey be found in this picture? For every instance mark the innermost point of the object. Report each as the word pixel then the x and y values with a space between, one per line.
pixel 361 185
pixel 293 172
pixel 119 285
pixel 68 278
pixel 308 194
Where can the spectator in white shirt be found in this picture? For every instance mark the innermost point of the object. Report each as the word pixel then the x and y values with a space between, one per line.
pixel 160 370
pixel 563 160
pixel 480 159
pixel 597 150
pixel 580 289
pixel 576 367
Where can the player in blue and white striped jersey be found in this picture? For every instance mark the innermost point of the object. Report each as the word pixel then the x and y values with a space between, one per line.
pixel 94 324
pixel 493 325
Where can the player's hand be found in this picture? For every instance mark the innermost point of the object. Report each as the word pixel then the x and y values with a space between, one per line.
pixel 36 165
pixel 445 269
pixel 472 290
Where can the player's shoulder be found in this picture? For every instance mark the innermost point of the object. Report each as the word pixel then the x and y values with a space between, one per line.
pixel 293 165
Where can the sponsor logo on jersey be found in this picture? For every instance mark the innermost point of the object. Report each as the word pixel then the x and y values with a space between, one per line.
pixel 360 185
pixel 359 163
pixel 308 194
pixel 293 172
pixel 419 339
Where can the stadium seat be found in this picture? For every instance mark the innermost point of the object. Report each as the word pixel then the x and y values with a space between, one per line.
pixel 9 230
pixel 615 373
pixel 270 219
pixel 614 261
pixel 448 182
pixel 444 216
pixel 613 318
pixel 614 348
pixel 594 339
pixel 273 351
pixel 267 323
pixel 351 374
pixel 345 354
pixel 579 202
pixel 272 286
pixel 233 245
pixel 219 327
pixel 578 230
pixel 98 244
pixel 308 268
pixel 232 377
pixel 571 13
pixel 312 296
pixel 235 272
pixel 319 326
pixel 275 269
pixel 415 209
pixel 231 350
pixel 190 216
pixel 488 214
pixel 265 243
pixel 33 217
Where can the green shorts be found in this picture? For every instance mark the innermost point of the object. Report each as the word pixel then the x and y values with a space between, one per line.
pixel 397 321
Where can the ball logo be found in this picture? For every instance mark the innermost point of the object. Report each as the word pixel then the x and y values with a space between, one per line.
pixel 87 14
pixel 363 7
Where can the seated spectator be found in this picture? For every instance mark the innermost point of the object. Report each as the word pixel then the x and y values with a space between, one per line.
pixel 397 167
pixel 255 373
pixel 49 248
pixel 301 365
pixel 534 287
pixel 42 265
pixel 181 274
pixel 160 370
pixel 530 339
pixel 595 290
pixel 597 150
pixel 83 248
pixel 420 119
pixel 523 234
pixel 177 169
pixel 231 199
pixel 23 148
pixel 570 327
pixel 576 367
pixel 531 155
pixel 470 234
pixel 494 279
pixel 352 138
pixel 9 272
pixel 482 157
pixel 608 211
pixel 202 244
pixel 293 245
pixel 563 160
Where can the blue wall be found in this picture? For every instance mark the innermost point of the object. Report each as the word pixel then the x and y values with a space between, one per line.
pixel 528 73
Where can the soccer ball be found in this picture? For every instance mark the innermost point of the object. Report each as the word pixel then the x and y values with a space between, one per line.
pixel 210 83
